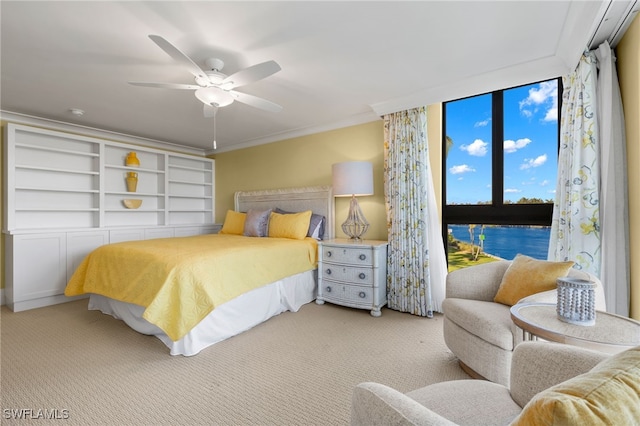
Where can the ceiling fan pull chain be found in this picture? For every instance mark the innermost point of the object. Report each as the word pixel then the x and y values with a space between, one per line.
pixel 214 133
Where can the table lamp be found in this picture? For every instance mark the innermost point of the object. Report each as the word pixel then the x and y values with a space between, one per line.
pixel 351 179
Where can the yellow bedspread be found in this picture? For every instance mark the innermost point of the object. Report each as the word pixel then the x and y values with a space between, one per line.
pixel 181 280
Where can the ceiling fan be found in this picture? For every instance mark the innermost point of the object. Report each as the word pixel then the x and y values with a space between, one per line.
pixel 213 88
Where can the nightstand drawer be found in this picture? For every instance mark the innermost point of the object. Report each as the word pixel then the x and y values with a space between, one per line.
pixel 352 256
pixel 349 274
pixel 348 293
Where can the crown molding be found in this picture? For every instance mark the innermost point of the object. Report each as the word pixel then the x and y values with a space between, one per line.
pixel 304 131
pixel 34 121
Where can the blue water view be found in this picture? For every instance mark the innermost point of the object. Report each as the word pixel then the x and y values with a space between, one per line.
pixel 507 241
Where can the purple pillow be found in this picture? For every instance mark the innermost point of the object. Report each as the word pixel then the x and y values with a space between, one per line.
pixel 257 223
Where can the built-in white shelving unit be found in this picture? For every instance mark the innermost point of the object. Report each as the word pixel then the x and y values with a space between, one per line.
pixel 190 190
pixel 52 181
pixel 64 197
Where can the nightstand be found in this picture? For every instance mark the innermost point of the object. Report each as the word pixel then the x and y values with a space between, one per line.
pixel 353 273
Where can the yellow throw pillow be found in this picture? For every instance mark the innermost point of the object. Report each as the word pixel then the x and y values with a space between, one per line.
pixel 233 223
pixel 526 276
pixel 609 394
pixel 293 225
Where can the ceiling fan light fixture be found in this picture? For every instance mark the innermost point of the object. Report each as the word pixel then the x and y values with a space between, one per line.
pixel 215 89
pixel 214 96
pixel 215 77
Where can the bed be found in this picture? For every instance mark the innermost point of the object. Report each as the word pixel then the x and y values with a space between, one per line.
pixel 146 303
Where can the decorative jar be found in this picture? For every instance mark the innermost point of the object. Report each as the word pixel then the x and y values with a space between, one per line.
pixel 132 160
pixel 132 181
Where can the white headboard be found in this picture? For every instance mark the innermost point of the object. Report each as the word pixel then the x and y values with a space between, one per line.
pixel 318 199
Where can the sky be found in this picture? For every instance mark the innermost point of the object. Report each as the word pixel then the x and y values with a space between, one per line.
pixel 530 145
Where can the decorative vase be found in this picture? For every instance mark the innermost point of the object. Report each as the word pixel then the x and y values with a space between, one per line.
pixel 132 181
pixel 576 301
pixel 132 160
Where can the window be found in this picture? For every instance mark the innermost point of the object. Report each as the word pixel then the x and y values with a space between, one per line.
pixel 499 172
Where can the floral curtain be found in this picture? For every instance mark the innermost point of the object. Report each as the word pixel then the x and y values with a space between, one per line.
pixel 590 219
pixel 416 263
pixel 575 225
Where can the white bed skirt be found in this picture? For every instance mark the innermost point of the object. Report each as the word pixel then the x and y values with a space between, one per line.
pixel 234 317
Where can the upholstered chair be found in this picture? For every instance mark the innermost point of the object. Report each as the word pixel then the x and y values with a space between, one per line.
pixel 551 383
pixel 478 330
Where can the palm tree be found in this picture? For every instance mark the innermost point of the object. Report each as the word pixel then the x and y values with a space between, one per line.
pixel 449 145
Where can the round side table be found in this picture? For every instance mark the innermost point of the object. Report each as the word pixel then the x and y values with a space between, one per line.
pixel 611 333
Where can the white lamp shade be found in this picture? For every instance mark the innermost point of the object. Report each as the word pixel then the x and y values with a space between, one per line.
pixel 352 178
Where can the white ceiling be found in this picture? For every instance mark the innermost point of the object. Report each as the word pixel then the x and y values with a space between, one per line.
pixel 342 63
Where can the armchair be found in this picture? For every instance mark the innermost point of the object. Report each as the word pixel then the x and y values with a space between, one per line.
pixel 478 330
pixel 549 382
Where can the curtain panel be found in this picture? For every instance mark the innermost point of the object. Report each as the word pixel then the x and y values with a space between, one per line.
pixel 416 263
pixel 614 211
pixel 590 222
pixel 575 225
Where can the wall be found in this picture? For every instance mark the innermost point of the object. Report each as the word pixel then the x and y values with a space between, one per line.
pixel 307 160
pixel 2 142
pixel 434 133
pixel 628 64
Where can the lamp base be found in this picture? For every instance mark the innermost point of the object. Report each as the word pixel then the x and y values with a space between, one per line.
pixel 356 225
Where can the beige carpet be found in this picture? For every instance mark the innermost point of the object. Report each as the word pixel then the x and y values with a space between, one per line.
pixel 295 369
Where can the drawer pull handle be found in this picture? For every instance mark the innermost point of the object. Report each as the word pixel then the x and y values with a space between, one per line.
pixel 329 254
pixel 328 271
pixel 363 256
pixel 362 276
pixel 362 294
pixel 328 289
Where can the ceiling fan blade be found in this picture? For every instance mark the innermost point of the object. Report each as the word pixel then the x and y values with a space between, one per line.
pixel 165 85
pixel 251 74
pixel 210 110
pixel 255 101
pixel 177 55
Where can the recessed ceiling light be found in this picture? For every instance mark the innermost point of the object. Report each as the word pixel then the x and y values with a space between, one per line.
pixel 77 112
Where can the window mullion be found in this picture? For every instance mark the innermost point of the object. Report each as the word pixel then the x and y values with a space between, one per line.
pixel 497 148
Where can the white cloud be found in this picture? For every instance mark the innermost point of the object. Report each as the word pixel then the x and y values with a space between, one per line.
pixel 512 146
pixel 463 168
pixel 552 113
pixel 511 190
pixel 544 183
pixel 483 123
pixel 544 96
pixel 534 162
pixel 478 148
